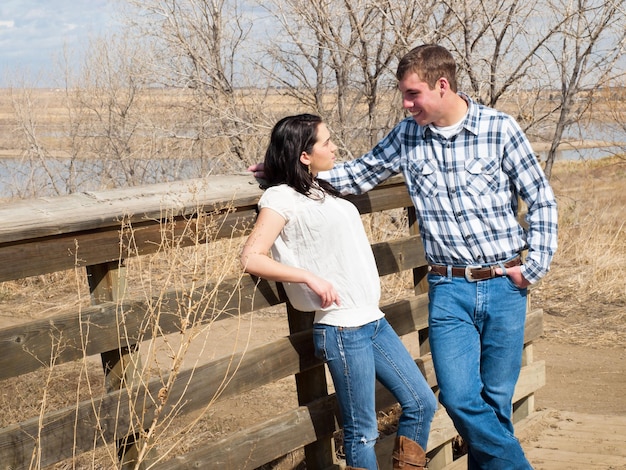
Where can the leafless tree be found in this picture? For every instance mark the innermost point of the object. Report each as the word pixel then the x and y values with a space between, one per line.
pixel 38 169
pixel 226 69
pixel 512 52
pixel 337 58
pixel 105 112
pixel 612 106
pixel 496 44
pixel 591 42
pixel 198 45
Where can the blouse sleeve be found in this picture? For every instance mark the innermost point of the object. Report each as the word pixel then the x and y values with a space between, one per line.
pixel 279 199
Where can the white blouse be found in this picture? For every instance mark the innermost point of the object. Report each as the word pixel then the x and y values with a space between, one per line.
pixel 326 237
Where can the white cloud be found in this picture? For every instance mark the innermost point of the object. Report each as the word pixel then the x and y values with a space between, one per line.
pixel 33 33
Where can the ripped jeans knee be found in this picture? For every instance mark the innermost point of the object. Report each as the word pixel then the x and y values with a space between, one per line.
pixel 360 451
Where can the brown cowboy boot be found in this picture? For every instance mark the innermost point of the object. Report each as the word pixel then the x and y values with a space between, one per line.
pixel 408 454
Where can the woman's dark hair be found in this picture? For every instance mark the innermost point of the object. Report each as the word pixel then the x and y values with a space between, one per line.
pixel 291 136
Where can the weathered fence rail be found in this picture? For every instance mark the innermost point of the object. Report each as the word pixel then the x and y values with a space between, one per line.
pixel 98 233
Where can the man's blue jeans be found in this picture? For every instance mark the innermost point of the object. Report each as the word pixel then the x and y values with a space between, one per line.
pixel 356 357
pixel 476 333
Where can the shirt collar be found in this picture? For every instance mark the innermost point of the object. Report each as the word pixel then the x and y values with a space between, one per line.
pixel 472 118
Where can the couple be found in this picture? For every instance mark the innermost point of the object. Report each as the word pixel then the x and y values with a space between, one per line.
pixel 465 166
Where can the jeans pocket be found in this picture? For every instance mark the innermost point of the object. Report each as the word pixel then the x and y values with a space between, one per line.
pixel 437 279
pixel 514 286
pixel 319 343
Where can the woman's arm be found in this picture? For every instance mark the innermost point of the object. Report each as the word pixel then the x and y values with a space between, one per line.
pixel 256 260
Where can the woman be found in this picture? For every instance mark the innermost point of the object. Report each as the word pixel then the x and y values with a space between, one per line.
pixel 321 254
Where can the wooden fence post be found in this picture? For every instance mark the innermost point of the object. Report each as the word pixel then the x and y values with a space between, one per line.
pixel 442 456
pixel 107 283
pixel 311 385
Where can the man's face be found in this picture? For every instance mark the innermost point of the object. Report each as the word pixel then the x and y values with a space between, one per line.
pixel 423 103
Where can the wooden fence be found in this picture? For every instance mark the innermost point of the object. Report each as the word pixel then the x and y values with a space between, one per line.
pixel 97 234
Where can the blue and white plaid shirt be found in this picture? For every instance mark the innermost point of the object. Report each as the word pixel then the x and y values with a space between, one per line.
pixel 466 189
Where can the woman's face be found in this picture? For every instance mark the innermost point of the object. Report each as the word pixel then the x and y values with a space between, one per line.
pixel 322 157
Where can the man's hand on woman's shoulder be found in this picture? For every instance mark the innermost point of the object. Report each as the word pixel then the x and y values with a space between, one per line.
pixel 257 170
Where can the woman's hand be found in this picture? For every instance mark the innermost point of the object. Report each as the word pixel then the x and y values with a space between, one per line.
pixel 255 259
pixel 324 289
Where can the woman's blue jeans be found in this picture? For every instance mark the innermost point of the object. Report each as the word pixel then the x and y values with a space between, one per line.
pixel 476 333
pixel 356 357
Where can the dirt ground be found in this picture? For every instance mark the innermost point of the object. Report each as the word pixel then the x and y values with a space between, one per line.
pixel 582 378
pixel 579 377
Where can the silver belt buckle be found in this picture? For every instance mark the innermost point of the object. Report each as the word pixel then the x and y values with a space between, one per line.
pixel 468 272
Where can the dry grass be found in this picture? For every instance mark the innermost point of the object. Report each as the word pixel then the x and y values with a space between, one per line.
pixel 586 288
pixel 584 295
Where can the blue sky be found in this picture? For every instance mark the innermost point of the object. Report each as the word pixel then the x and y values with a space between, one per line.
pixel 33 34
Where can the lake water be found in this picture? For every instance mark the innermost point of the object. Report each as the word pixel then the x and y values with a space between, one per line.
pixel 54 175
pixel 21 178
pixel 597 133
pixel 586 153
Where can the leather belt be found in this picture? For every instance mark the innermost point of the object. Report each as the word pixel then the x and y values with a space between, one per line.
pixel 473 273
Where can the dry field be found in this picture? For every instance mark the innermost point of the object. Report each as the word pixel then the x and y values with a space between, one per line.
pixel 584 343
pixel 584 295
pixel 585 292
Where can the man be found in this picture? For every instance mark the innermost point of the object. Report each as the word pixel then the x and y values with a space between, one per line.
pixel 465 166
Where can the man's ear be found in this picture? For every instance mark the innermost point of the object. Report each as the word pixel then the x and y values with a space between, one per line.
pixel 443 85
pixel 305 159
